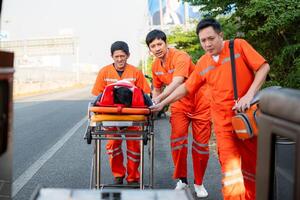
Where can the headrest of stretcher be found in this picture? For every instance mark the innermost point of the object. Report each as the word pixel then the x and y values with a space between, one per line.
pixel 108 98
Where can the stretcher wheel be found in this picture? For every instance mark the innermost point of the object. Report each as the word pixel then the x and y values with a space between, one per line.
pixel 89 136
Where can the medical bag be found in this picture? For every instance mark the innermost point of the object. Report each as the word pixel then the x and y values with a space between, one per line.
pixel 244 123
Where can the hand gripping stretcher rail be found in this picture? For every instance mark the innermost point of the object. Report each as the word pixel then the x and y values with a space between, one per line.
pixel 100 118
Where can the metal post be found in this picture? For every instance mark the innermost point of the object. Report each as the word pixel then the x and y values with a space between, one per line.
pixel 161 15
pixel 186 14
pixel 152 159
pixel 98 160
pixel 77 63
pixel 142 164
pixel 92 174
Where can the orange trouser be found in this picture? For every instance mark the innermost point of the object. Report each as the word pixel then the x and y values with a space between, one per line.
pixel 114 150
pixel 238 164
pixel 179 144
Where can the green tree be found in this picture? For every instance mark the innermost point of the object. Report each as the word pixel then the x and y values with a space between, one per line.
pixel 271 26
pixel 188 41
pixel 148 68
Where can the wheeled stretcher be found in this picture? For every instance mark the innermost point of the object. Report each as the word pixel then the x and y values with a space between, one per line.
pixel 100 121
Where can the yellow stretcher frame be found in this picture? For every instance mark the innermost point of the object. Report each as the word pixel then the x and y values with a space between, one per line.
pixel 102 117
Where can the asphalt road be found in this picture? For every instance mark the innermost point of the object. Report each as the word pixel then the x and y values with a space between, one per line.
pixel 49 150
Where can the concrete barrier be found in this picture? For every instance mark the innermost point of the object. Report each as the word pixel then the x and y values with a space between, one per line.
pixel 35 80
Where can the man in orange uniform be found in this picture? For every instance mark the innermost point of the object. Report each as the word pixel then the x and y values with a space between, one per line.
pixel 171 68
pixel 237 157
pixel 120 70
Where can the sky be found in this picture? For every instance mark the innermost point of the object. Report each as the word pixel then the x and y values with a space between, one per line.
pixel 97 24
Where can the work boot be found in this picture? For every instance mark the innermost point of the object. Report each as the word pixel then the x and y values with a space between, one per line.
pixel 200 191
pixel 181 185
pixel 118 180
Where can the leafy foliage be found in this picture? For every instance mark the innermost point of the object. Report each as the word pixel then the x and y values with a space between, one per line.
pixel 271 26
pixel 148 66
pixel 186 40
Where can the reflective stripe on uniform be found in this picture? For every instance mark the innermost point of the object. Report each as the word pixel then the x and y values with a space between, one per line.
pixel 113 150
pixel 248 173
pixel 228 58
pixel 232 177
pixel 134 153
pixel 199 144
pixel 170 71
pixel 111 79
pixel 240 131
pixel 133 159
pixel 200 152
pixel 115 154
pixel 129 79
pixel 232 172
pixel 207 70
pixel 179 139
pixel 249 176
pixel 233 181
pixel 158 73
pixel 179 147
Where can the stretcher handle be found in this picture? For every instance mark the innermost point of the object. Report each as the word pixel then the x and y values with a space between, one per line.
pixel 118 110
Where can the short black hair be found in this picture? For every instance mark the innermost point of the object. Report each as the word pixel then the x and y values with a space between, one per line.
pixel 155 34
pixel 204 23
pixel 119 45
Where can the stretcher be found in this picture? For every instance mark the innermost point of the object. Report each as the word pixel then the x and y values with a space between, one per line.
pixel 101 118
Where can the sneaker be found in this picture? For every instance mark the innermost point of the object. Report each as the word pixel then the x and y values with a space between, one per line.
pixel 200 191
pixel 180 185
pixel 118 180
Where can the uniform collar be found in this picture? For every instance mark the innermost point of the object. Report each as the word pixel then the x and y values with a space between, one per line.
pixel 113 64
pixel 166 63
pixel 221 55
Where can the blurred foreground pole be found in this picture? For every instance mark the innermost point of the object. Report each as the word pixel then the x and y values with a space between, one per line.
pixel 278 169
pixel 6 86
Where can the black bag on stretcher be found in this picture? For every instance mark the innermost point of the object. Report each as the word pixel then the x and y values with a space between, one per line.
pixel 123 94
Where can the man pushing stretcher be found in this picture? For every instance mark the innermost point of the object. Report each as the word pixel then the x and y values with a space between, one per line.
pixel 121 70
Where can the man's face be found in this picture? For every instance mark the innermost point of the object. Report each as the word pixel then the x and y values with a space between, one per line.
pixel 211 41
pixel 159 48
pixel 120 59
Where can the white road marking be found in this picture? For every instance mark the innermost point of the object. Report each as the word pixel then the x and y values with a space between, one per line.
pixel 22 180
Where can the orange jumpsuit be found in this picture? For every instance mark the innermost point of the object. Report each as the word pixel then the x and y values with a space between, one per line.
pixel 106 76
pixel 192 108
pixel 237 157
